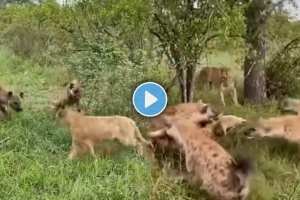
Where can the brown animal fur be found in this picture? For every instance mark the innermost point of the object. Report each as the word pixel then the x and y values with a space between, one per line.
pixel 218 77
pixel 226 123
pixel 88 131
pixel 287 127
pixel 184 110
pixel 207 163
pixel 9 100
pixel 72 96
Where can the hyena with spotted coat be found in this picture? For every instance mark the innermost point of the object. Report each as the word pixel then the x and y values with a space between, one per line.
pixel 9 100
pixel 72 96
pixel 208 163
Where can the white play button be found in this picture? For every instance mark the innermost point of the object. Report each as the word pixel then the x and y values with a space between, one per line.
pixel 149 99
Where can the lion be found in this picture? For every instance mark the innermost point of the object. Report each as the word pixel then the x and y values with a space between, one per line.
pixel 286 127
pixel 220 78
pixel 88 131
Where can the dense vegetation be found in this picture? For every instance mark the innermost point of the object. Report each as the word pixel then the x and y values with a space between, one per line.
pixel 112 46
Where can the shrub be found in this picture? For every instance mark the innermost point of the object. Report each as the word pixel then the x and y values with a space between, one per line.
pixel 283 72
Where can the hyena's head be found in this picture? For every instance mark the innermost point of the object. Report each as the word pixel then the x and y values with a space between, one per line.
pixel 207 110
pixel 74 89
pixel 14 101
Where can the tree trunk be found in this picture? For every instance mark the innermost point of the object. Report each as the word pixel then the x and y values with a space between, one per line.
pixel 186 82
pixel 190 76
pixel 254 75
pixel 181 74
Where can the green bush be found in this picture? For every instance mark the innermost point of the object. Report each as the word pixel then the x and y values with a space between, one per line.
pixel 109 77
pixel 283 72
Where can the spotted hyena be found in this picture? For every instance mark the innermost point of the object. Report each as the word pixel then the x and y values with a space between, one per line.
pixel 9 100
pixel 184 110
pixel 72 96
pixel 207 163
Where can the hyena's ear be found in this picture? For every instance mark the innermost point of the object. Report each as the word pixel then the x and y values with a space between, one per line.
pixel 10 94
pixel 204 109
pixel 22 95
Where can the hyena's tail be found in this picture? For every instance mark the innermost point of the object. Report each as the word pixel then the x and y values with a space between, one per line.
pixel 243 169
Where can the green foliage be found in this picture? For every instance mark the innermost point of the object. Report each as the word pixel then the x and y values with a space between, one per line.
pixel 31 31
pixel 34 147
pixel 107 77
pixel 283 71
pixel 108 46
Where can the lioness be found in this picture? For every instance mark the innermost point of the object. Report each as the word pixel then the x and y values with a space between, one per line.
pixel 287 127
pixel 220 78
pixel 208 163
pixel 88 131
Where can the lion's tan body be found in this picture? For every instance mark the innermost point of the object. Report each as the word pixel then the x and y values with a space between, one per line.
pixel 218 77
pixel 88 131
pixel 287 127
pixel 207 162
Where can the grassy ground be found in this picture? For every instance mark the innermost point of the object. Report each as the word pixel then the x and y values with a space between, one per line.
pixel 34 148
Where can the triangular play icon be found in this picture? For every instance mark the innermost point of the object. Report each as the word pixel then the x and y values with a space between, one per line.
pixel 150 99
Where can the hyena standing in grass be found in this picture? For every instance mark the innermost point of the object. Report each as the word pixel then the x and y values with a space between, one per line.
pixel 9 100
pixel 71 98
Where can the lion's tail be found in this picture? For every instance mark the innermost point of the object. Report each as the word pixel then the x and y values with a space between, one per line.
pixel 140 137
